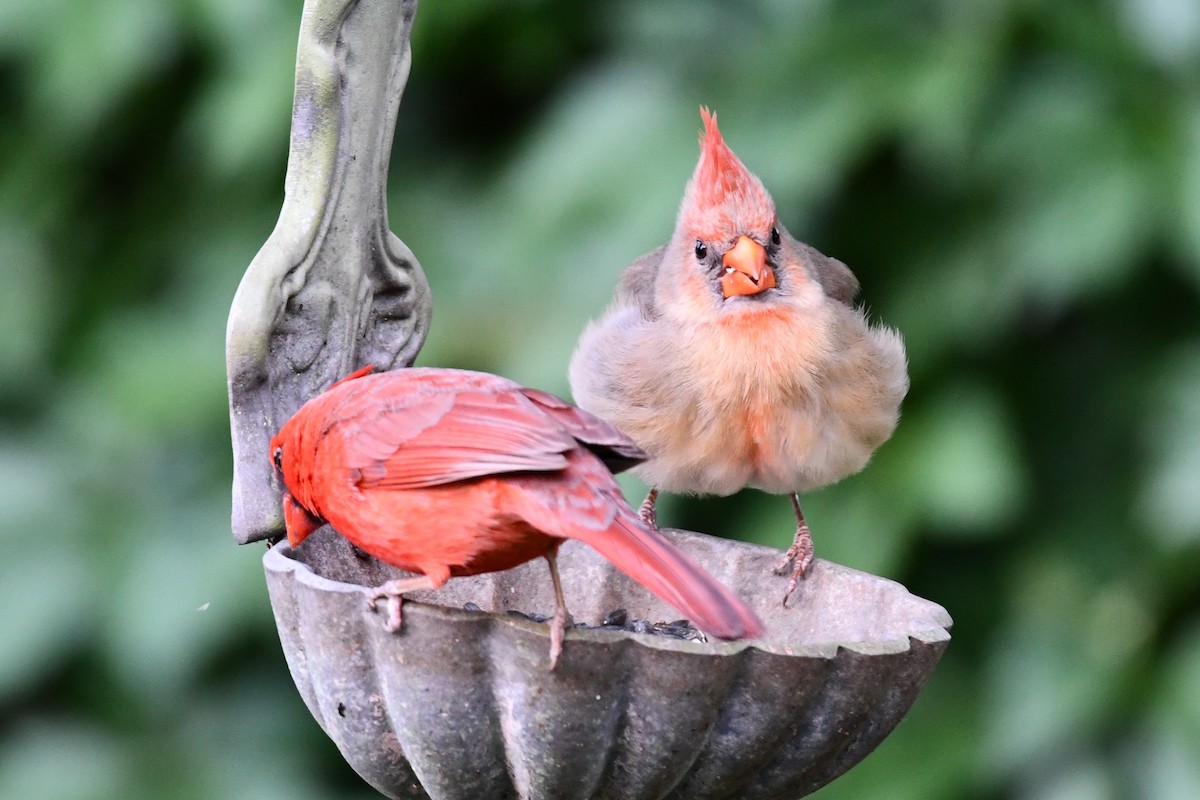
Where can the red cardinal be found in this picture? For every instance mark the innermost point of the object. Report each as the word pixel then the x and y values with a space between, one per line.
pixel 448 472
pixel 734 356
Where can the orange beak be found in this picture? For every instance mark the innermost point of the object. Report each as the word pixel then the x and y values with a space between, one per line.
pixel 746 270
pixel 298 521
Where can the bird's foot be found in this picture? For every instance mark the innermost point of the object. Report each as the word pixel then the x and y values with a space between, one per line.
pixel 395 618
pixel 558 631
pixel 647 512
pixel 393 592
pixel 558 622
pixel 797 560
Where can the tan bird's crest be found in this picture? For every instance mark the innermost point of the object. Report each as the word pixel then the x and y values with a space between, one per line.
pixel 722 184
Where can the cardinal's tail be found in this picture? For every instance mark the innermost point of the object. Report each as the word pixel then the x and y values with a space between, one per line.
pixel 664 569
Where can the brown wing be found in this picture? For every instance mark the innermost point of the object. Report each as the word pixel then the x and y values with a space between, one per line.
pixel 835 277
pixel 636 286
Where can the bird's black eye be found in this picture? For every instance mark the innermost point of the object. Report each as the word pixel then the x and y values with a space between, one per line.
pixel 701 250
pixel 277 456
pixel 775 236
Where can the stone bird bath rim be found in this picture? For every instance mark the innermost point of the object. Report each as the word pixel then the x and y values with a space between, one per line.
pixel 332 289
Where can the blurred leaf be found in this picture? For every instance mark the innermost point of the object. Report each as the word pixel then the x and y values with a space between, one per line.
pixel 161 372
pixel 1167 30
pixel 975 304
pixel 95 54
pixel 1189 200
pixel 1079 205
pixel 26 316
pixel 1055 667
pixel 181 594
pixel 964 472
pixel 1162 763
pixel 246 726
pixel 1177 703
pixel 1073 781
pixel 1162 760
pixel 1168 499
pixel 239 123
pixel 48 584
pixel 66 761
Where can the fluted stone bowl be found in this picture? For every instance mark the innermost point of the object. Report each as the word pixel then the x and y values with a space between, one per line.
pixel 461 705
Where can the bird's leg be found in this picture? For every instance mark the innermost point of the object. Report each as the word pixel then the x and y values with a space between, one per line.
pixel 799 556
pixel 558 623
pixel 394 591
pixel 647 512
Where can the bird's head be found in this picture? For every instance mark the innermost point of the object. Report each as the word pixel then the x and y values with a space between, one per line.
pixel 726 246
pixel 292 451
pixel 285 451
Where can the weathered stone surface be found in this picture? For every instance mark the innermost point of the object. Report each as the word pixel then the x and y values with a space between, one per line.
pixel 332 288
pixel 460 704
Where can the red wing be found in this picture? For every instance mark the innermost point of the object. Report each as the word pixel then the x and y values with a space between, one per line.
pixel 361 372
pixel 614 448
pixel 476 433
pixel 381 424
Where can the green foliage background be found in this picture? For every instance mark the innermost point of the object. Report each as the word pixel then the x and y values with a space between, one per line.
pixel 1016 183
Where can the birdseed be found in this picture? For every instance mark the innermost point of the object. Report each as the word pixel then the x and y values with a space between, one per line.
pixel 618 620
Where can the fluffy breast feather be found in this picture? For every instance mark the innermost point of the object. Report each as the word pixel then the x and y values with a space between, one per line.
pixel 782 398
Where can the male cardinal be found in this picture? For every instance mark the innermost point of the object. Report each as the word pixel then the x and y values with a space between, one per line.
pixel 734 356
pixel 448 472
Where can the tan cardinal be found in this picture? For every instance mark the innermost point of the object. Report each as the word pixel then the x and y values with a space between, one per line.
pixel 734 356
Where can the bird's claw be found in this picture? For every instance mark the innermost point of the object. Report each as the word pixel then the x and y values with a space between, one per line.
pixel 395 619
pixel 393 591
pixel 798 573
pixel 394 595
pixel 649 517
pixel 648 512
pixel 797 560
pixel 558 629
